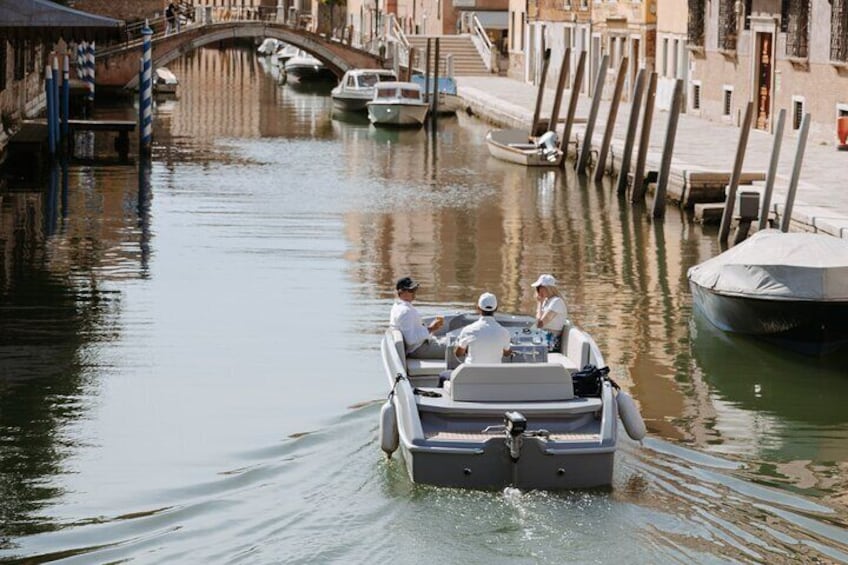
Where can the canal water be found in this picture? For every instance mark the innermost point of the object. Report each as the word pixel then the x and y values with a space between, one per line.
pixel 190 370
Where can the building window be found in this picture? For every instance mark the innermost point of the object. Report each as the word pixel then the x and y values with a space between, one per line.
pixel 797 112
pixel 695 26
pixel 696 95
pixel 839 31
pixel 797 25
pixel 727 101
pixel 727 25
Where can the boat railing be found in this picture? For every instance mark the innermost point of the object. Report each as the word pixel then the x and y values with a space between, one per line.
pixel 483 43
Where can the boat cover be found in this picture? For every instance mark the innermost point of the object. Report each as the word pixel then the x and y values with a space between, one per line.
pixel 773 265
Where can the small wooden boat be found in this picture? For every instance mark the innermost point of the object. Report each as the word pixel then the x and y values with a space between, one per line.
pixel 357 87
pixel 515 146
pixel 534 421
pixel 397 104
pixel 789 286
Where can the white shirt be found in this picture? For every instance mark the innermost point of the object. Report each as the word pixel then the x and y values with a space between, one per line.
pixel 557 305
pixel 485 339
pixel 405 317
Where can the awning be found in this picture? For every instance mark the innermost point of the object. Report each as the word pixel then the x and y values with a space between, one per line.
pixel 41 20
pixel 493 20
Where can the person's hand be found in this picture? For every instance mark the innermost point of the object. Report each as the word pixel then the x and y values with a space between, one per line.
pixel 436 324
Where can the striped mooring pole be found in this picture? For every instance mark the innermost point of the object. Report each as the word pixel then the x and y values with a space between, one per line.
pixel 66 95
pixel 88 74
pixel 48 95
pixel 81 60
pixel 145 93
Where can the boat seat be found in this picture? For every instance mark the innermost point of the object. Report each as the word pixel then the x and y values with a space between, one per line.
pixel 416 367
pixel 578 347
pixel 512 382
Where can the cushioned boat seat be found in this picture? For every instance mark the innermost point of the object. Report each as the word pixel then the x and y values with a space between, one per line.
pixel 511 382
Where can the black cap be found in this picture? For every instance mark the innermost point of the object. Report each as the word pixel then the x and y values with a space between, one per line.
pixel 406 283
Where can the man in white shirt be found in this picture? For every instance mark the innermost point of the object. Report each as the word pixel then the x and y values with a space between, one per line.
pixel 484 341
pixel 417 338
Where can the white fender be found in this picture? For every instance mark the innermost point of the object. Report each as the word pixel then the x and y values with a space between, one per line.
pixel 630 417
pixel 388 429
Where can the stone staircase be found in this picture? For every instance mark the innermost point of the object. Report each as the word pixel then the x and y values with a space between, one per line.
pixel 466 58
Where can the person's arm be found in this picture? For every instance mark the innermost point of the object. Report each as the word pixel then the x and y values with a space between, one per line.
pixel 460 351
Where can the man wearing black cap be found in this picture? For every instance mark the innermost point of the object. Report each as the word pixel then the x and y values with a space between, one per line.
pixel 417 338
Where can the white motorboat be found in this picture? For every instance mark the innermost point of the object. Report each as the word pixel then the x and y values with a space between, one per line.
pixel 397 104
pixel 306 68
pixel 357 87
pixel 283 53
pixel 268 46
pixel 449 101
pixel 534 421
pixel 788 286
pixel 164 81
pixel 515 146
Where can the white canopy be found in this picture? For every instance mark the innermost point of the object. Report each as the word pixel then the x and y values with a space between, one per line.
pixel 779 266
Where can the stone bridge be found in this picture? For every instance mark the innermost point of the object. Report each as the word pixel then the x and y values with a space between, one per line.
pixel 117 66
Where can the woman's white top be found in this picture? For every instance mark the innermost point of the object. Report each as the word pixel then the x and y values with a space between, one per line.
pixel 556 305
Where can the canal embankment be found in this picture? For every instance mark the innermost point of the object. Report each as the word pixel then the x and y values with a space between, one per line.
pixel 704 152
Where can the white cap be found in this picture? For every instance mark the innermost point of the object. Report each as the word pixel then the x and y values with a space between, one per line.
pixel 488 302
pixel 545 280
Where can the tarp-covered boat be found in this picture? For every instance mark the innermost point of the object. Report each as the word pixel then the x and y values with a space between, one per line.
pixel 785 285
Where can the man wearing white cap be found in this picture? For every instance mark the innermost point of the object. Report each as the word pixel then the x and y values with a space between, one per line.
pixel 484 341
pixel 551 313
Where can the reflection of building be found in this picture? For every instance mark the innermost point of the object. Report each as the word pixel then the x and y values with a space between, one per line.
pixel 790 55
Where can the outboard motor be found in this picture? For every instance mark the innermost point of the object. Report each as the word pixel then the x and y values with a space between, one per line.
pixel 547 144
pixel 515 424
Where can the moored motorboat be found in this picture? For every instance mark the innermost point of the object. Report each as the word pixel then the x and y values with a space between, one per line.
pixel 306 68
pixel 449 101
pixel 397 104
pixel 356 88
pixel 515 146
pixel 164 81
pixel 535 421
pixel 283 53
pixel 789 286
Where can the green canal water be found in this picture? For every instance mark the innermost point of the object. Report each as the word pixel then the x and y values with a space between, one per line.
pixel 190 370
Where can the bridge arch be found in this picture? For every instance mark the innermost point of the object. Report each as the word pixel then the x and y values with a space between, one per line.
pixel 117 66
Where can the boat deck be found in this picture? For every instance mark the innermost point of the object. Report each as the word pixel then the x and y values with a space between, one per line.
pixel 482 437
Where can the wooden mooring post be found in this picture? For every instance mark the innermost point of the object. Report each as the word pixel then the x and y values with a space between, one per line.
pixel 534 126
pixel 572 105
pixel 730 199
pixel 637 194
pixel 434 96
pixel 563 76
pixel 630 136
pixel 658 209
pixel 613 113
pixel 586 148
pixel 796 173
pixel 772 170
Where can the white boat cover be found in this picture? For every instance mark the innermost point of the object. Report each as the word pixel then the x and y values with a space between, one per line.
pixel 773 265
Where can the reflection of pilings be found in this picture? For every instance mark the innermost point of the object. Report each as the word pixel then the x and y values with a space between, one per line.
pixel 145 194
pixel 50 202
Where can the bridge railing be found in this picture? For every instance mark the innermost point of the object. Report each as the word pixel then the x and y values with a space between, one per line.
pixel 483 44
pixel 399 42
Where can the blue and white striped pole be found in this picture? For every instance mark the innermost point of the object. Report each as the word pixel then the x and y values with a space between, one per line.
pixel 56 118
pixel 89 70
pixel 48 94
pixel 81 60
pixel 66 95
pixel 145 92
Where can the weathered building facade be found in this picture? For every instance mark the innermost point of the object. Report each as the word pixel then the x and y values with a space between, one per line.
pixel 789 55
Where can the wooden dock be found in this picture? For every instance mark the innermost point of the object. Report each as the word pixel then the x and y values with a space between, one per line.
pixel 31 138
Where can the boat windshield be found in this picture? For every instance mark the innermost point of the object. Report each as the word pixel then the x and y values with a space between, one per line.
pixel 386 92
pixel 409 93
pixel 368 80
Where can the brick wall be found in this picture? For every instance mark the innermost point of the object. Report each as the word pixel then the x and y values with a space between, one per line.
pixel 129 10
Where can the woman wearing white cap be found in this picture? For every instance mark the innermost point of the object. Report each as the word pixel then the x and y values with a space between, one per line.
pixel 551 313
pixel 484 341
